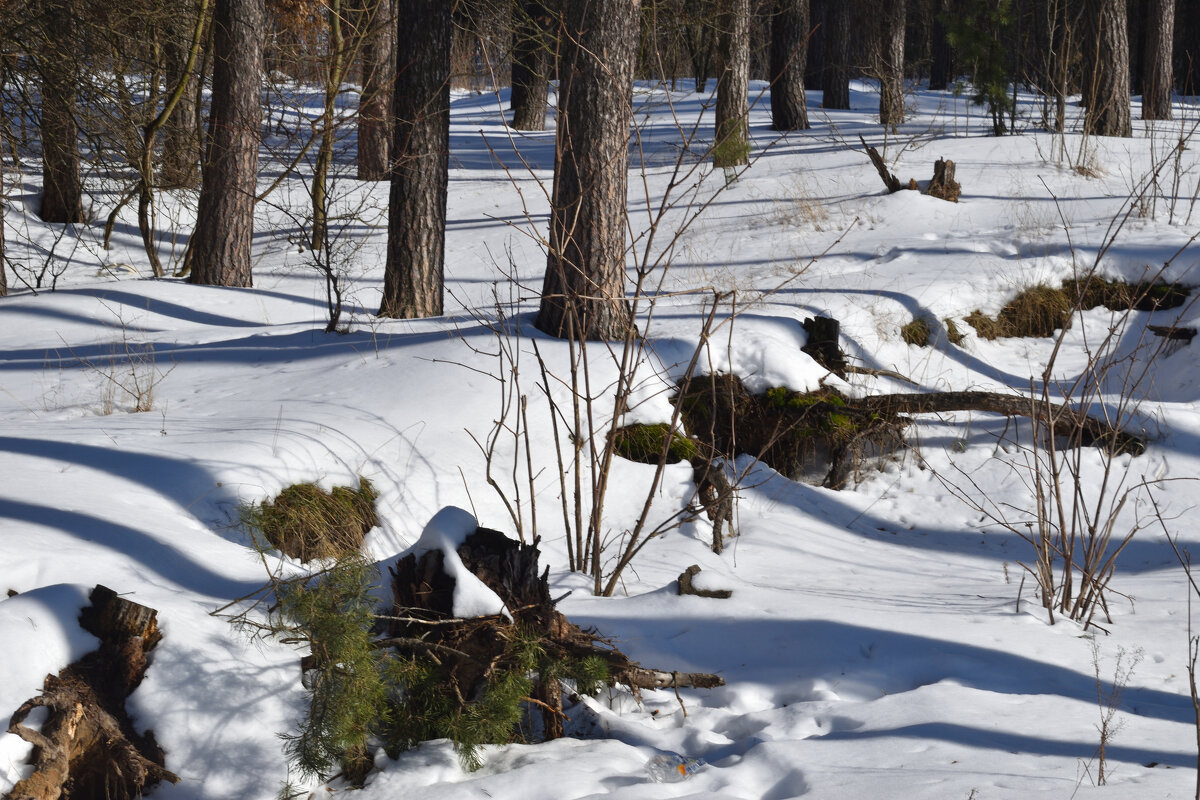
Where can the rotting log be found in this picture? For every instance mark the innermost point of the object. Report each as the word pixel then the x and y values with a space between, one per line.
pixel 87 748
pixel 889 180
pixel 942 186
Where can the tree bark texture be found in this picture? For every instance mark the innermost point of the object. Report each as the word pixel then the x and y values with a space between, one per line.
pixel 62 192
pixel 789 57
pixel 3 272
pixel 1107 55
pixel 584 287
pixel 835 79
pixel 814 60
pixel 732 147
pixel 181 147
pixel 416 248
pixel 1157 65
pixel 889 62
pixel 225 219
pixel 375 103
pixel 532 61
pixel 940 70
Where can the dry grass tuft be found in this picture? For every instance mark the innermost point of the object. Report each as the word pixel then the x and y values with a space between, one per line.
pixel 307 523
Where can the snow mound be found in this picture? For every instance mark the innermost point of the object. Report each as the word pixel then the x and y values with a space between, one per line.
pixel 448 529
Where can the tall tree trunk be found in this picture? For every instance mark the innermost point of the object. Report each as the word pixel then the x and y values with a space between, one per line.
pixel 62 192
pixel 732 147
pixel 940 70
pixel 225 219
pixel 835 82
pixel 1107 99
pixel 814 66
pixel 584 287
pixel 531 65
pixel 416 248
pixel 1157 58
pixel 335 65
pixel 3 271
pixel 181 148
pixel 378 51
pixel 889 61
pixel 789 41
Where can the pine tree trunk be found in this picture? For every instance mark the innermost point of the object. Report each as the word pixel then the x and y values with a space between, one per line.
pixel 940 71
pixel 789 43
pixel 3 272
pixel 889 62
pixel 531 65
pixel 181 146
pixel 379 71
pixel 1108 111
pixel 584 287
pixel 732 147
pixel 225 220
pixel 835 82
pixel 1156 63
pixel 62 192
pixel 416 249
pixel 814 67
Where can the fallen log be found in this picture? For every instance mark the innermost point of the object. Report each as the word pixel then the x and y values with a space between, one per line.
pixel 1077 426
pixel 87 748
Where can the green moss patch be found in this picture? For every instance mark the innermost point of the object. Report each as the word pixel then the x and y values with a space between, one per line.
pixel 306 523
pixel 645 444
pixel 819 437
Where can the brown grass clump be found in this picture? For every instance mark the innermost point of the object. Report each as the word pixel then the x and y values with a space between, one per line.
pixel 307 523
pixel 916 332
pixel 1038 311
pixel 953 334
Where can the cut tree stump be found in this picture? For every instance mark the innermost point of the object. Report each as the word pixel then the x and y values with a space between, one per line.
pixel 87 748
pixel 943 186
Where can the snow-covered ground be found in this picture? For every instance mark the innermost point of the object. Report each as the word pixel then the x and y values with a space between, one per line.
pixel 879 641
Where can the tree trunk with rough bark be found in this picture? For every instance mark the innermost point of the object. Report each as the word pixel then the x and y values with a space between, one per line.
pixel 940 70
pixel 732 145
pixel 532 62
pixel 889 61
pixel 225 220
pixel 1157 59
pixel 378 51
pixel 181 146
pixel 835 80
pixel 3 272
pixel 62 191
pixel 789 57
pixel 583 293
pixel 416 248
pixel 1107 52
pixel 814 66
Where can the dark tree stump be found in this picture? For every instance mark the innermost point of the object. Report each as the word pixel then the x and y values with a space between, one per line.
pixel 943 186
pixel 87 749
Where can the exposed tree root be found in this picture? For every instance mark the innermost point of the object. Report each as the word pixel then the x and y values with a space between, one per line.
pixel 87 748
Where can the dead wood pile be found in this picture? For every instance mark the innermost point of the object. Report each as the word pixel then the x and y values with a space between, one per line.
pixel 87 748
